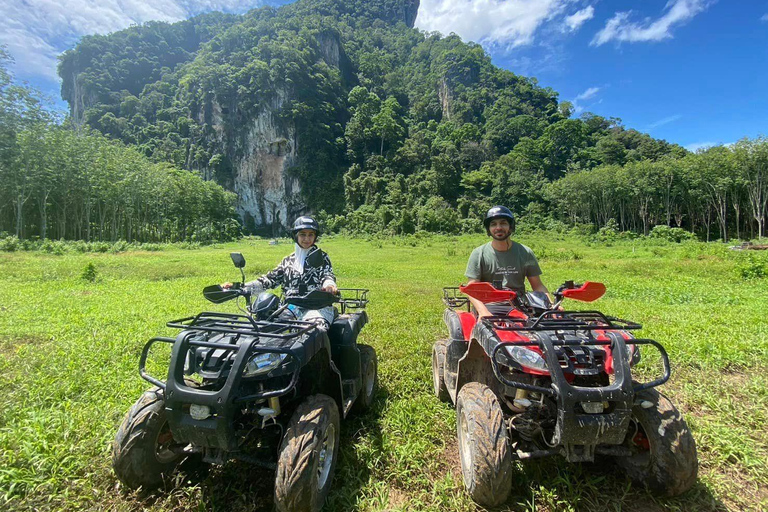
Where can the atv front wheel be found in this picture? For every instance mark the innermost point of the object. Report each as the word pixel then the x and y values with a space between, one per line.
pixel 369 367
pixel 663 450
pixel 439 351
pixel 143 450
pixel 308 456
pixel 483 445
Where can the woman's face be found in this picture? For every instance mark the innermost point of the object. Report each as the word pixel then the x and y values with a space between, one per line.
pixel 305 238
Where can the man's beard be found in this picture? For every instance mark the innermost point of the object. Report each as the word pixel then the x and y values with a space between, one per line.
pixel 501 237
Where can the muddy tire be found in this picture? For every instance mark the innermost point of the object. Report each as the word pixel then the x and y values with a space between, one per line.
pixel 308 455
pixel 439 351
pixel 369 370
pixel 484 451
pixel 141 451
pixel 664 452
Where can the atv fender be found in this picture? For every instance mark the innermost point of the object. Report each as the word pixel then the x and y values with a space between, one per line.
pixel 459 323
pixel 473 366
pixel 320 375
pixel 343 337
pixel 450 355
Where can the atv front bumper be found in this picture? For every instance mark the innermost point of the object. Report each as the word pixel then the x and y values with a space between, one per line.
pixel 577 432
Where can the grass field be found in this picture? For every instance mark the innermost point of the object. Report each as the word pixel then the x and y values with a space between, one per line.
pixel 69 350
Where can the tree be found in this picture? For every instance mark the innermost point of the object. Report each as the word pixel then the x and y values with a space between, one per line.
pixel 752 158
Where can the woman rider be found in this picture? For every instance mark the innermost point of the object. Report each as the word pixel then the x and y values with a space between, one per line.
pixel 307 269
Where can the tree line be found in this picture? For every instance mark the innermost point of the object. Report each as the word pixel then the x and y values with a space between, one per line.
pixel 65 183
pixel 398 130
pixel 720 192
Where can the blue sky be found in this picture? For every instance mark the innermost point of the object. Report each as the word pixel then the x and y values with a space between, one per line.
pixel 689 71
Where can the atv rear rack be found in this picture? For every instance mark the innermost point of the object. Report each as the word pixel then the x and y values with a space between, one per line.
pixel 359 301
pixel 454 299
pixel 561 321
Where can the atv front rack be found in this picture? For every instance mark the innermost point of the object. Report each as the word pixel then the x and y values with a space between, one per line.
pixel 559 383
pixel 229 323
pixel 561 320
pixel 240 336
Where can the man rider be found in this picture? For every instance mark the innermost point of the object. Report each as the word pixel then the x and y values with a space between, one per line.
pixel 502 261
pixel 306 269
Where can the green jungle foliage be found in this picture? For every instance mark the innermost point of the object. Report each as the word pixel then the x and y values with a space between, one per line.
pixel 397 130
pixel 56 182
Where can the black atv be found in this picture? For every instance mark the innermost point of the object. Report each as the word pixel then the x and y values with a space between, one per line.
pixel 535 381
pixel 261 387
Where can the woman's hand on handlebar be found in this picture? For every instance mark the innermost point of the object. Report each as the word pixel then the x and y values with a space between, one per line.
pixel 226 286
pixel 331 288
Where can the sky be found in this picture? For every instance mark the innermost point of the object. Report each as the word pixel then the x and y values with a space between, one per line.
pixel 692 72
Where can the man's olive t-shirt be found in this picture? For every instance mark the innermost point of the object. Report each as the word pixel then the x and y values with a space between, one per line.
pixel 506 268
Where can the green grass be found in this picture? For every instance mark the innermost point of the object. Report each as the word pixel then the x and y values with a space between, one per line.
pixel 69 348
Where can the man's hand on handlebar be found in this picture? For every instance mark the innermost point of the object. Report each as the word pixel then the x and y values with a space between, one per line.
pixel 331 288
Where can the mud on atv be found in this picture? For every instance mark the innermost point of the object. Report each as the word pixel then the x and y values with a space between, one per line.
pixel 260 387
pixel 535 381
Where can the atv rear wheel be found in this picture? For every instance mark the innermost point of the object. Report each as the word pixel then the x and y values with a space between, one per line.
pixel 663 450
pixel 486 463
pixel 439 351
pixel 369 368
pixel 143 450
pixel 307 457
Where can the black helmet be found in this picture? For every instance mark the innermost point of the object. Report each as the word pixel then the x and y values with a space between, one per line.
pixel 499 212
pixel 305 222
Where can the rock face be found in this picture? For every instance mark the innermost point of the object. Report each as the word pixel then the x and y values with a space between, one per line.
pixel 268 197
pixel 411 11
pixel 259 150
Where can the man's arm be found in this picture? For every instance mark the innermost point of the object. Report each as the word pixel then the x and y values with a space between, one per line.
pixel 537 285
pixel 479 306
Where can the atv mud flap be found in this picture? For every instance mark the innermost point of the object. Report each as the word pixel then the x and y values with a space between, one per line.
pixel 577 432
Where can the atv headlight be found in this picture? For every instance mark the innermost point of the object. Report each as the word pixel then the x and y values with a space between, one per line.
pixel 527 358
pixel 263 363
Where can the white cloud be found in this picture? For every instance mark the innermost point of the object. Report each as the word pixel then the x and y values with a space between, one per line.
pixel 696 146
pixel 590 93
pixel 36 31
pixel 621 29
pixel 662 122
pixel 503 23
pixel 587 94
pixel 764 17
pixel 577 19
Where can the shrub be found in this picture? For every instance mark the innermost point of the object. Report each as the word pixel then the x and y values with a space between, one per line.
pixel 89 273
pixel 669 234
pixel 100 246
pixel 608 233
pixel 754 267
pixel 57 247
pixel 437 216
pixel 119 246
pixel 9 243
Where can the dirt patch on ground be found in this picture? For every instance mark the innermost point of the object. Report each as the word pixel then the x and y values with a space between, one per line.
pixel 396 499
pixel 451 457
pixel 10 346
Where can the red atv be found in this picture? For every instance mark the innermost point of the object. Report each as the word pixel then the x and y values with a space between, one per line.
pixel 535 380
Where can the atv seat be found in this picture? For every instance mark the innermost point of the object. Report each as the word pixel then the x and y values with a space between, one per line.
pixel 343 337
